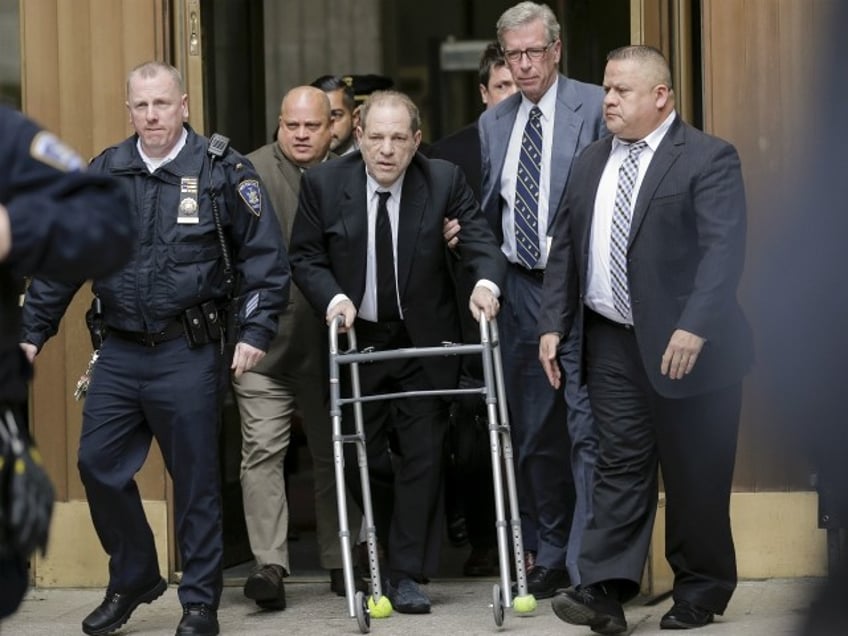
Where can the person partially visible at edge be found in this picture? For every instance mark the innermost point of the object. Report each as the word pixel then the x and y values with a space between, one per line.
pixel 57 220
pixel 162 370
pixel 468 477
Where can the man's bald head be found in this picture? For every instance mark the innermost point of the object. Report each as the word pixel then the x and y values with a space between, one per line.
pixel 304 133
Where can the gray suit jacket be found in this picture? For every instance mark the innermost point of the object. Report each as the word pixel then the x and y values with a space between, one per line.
pixel 578 121
pixel 686 252
pixel 296 348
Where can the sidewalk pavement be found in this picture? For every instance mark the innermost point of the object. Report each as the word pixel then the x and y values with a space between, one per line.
pixel 771 607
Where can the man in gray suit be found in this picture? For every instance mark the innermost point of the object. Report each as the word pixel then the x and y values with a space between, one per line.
pixel 290 376
pixel 647 253
pixel 567 114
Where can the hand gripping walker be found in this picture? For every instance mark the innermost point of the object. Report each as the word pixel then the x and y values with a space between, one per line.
pixel 377 604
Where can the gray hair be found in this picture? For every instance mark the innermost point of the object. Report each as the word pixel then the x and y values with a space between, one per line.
pixel 647 56
pixel 525 13
pixel 393 98
pixel 152 69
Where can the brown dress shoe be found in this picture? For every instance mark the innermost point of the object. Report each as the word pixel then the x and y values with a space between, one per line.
pixel 265 586
pixel 337 584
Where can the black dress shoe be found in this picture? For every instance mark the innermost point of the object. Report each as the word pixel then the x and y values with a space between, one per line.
pixel 117 607
pixel 481 562
pixel 407 597
pixel 198 620
pixel 337 581
pixel 685 615
pixel 590 606
pixel 544 582
pixel 265 586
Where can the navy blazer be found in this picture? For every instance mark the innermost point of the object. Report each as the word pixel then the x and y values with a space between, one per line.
pixel 685 256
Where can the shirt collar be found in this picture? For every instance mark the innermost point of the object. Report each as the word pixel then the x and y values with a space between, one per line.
pixel 653 139
pixel 395 189
pixel 153 163
pixel 547 104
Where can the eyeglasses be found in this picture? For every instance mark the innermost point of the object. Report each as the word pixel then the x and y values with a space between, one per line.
pixel 533 54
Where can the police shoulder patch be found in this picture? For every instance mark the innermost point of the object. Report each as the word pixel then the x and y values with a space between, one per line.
pixel 251 194
pixel 49 149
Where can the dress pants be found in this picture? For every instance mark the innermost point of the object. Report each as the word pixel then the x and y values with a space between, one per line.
pixel 404 442
pixel 553 432
pixel 172 393
pixel 694 442
pixel 266 406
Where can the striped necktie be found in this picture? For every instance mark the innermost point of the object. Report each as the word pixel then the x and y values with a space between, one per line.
pixel 621 216
pixel 526 211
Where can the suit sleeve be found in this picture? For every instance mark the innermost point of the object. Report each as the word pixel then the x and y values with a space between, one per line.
pixel 718 198
pixel 260 258
pixel 477 245
pixel 310 261
pixel 560 293
pixel 66 223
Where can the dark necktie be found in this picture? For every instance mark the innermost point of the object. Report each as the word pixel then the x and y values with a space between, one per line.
pixel 526 210
pixel 627 174
pixel 387 307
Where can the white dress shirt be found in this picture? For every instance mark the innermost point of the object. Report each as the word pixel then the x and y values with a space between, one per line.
pixel 153 163
pixel 598 295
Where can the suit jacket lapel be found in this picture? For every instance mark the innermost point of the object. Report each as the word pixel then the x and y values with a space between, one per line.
pixel 667 153
pixel 567 126
pixel 505 120
pixel 413 200
pixel 353 212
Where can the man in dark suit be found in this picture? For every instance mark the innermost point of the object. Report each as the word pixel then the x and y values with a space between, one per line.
pixel 289 377
pixel 468 478
pixel 647 254
pixel 367 245
pixel 560 116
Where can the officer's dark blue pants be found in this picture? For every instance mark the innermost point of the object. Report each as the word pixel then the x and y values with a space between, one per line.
pixel 173 393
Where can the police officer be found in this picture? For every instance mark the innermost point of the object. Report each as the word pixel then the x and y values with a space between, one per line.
pixel 55 220
pixel 158 374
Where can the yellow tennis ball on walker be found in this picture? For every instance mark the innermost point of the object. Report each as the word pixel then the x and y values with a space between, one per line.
pixel 380 609
pixel 524 604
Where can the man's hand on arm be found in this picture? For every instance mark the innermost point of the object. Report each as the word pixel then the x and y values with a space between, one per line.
pixel 548 344
pixel 6 233
pixel 245 358
pixel 450 230
pixel 30 350
pixel 681 354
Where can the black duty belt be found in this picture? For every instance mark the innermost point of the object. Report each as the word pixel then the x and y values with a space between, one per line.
pixel 172 331
pixel 536 274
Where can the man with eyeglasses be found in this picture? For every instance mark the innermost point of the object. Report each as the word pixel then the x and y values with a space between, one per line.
pixel 528 143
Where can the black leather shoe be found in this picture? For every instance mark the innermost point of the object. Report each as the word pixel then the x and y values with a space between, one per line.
pixel 544 582
pixel 265 586
pixel 198 620
pixel 407 597
pixel 117 607
pixel 481 562
pixel 337 581
pixel 592 607
pixel 685 615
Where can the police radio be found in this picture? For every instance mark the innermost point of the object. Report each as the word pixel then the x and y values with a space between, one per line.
pixel 218 145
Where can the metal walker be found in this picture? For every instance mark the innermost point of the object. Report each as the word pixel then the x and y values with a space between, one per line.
pixel 492 391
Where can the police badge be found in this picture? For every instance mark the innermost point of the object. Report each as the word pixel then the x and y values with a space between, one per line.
pixel 188 208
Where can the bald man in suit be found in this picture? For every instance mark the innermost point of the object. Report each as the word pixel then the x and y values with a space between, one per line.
pixel 647 253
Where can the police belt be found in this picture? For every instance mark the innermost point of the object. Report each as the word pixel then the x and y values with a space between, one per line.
pixel 173 330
